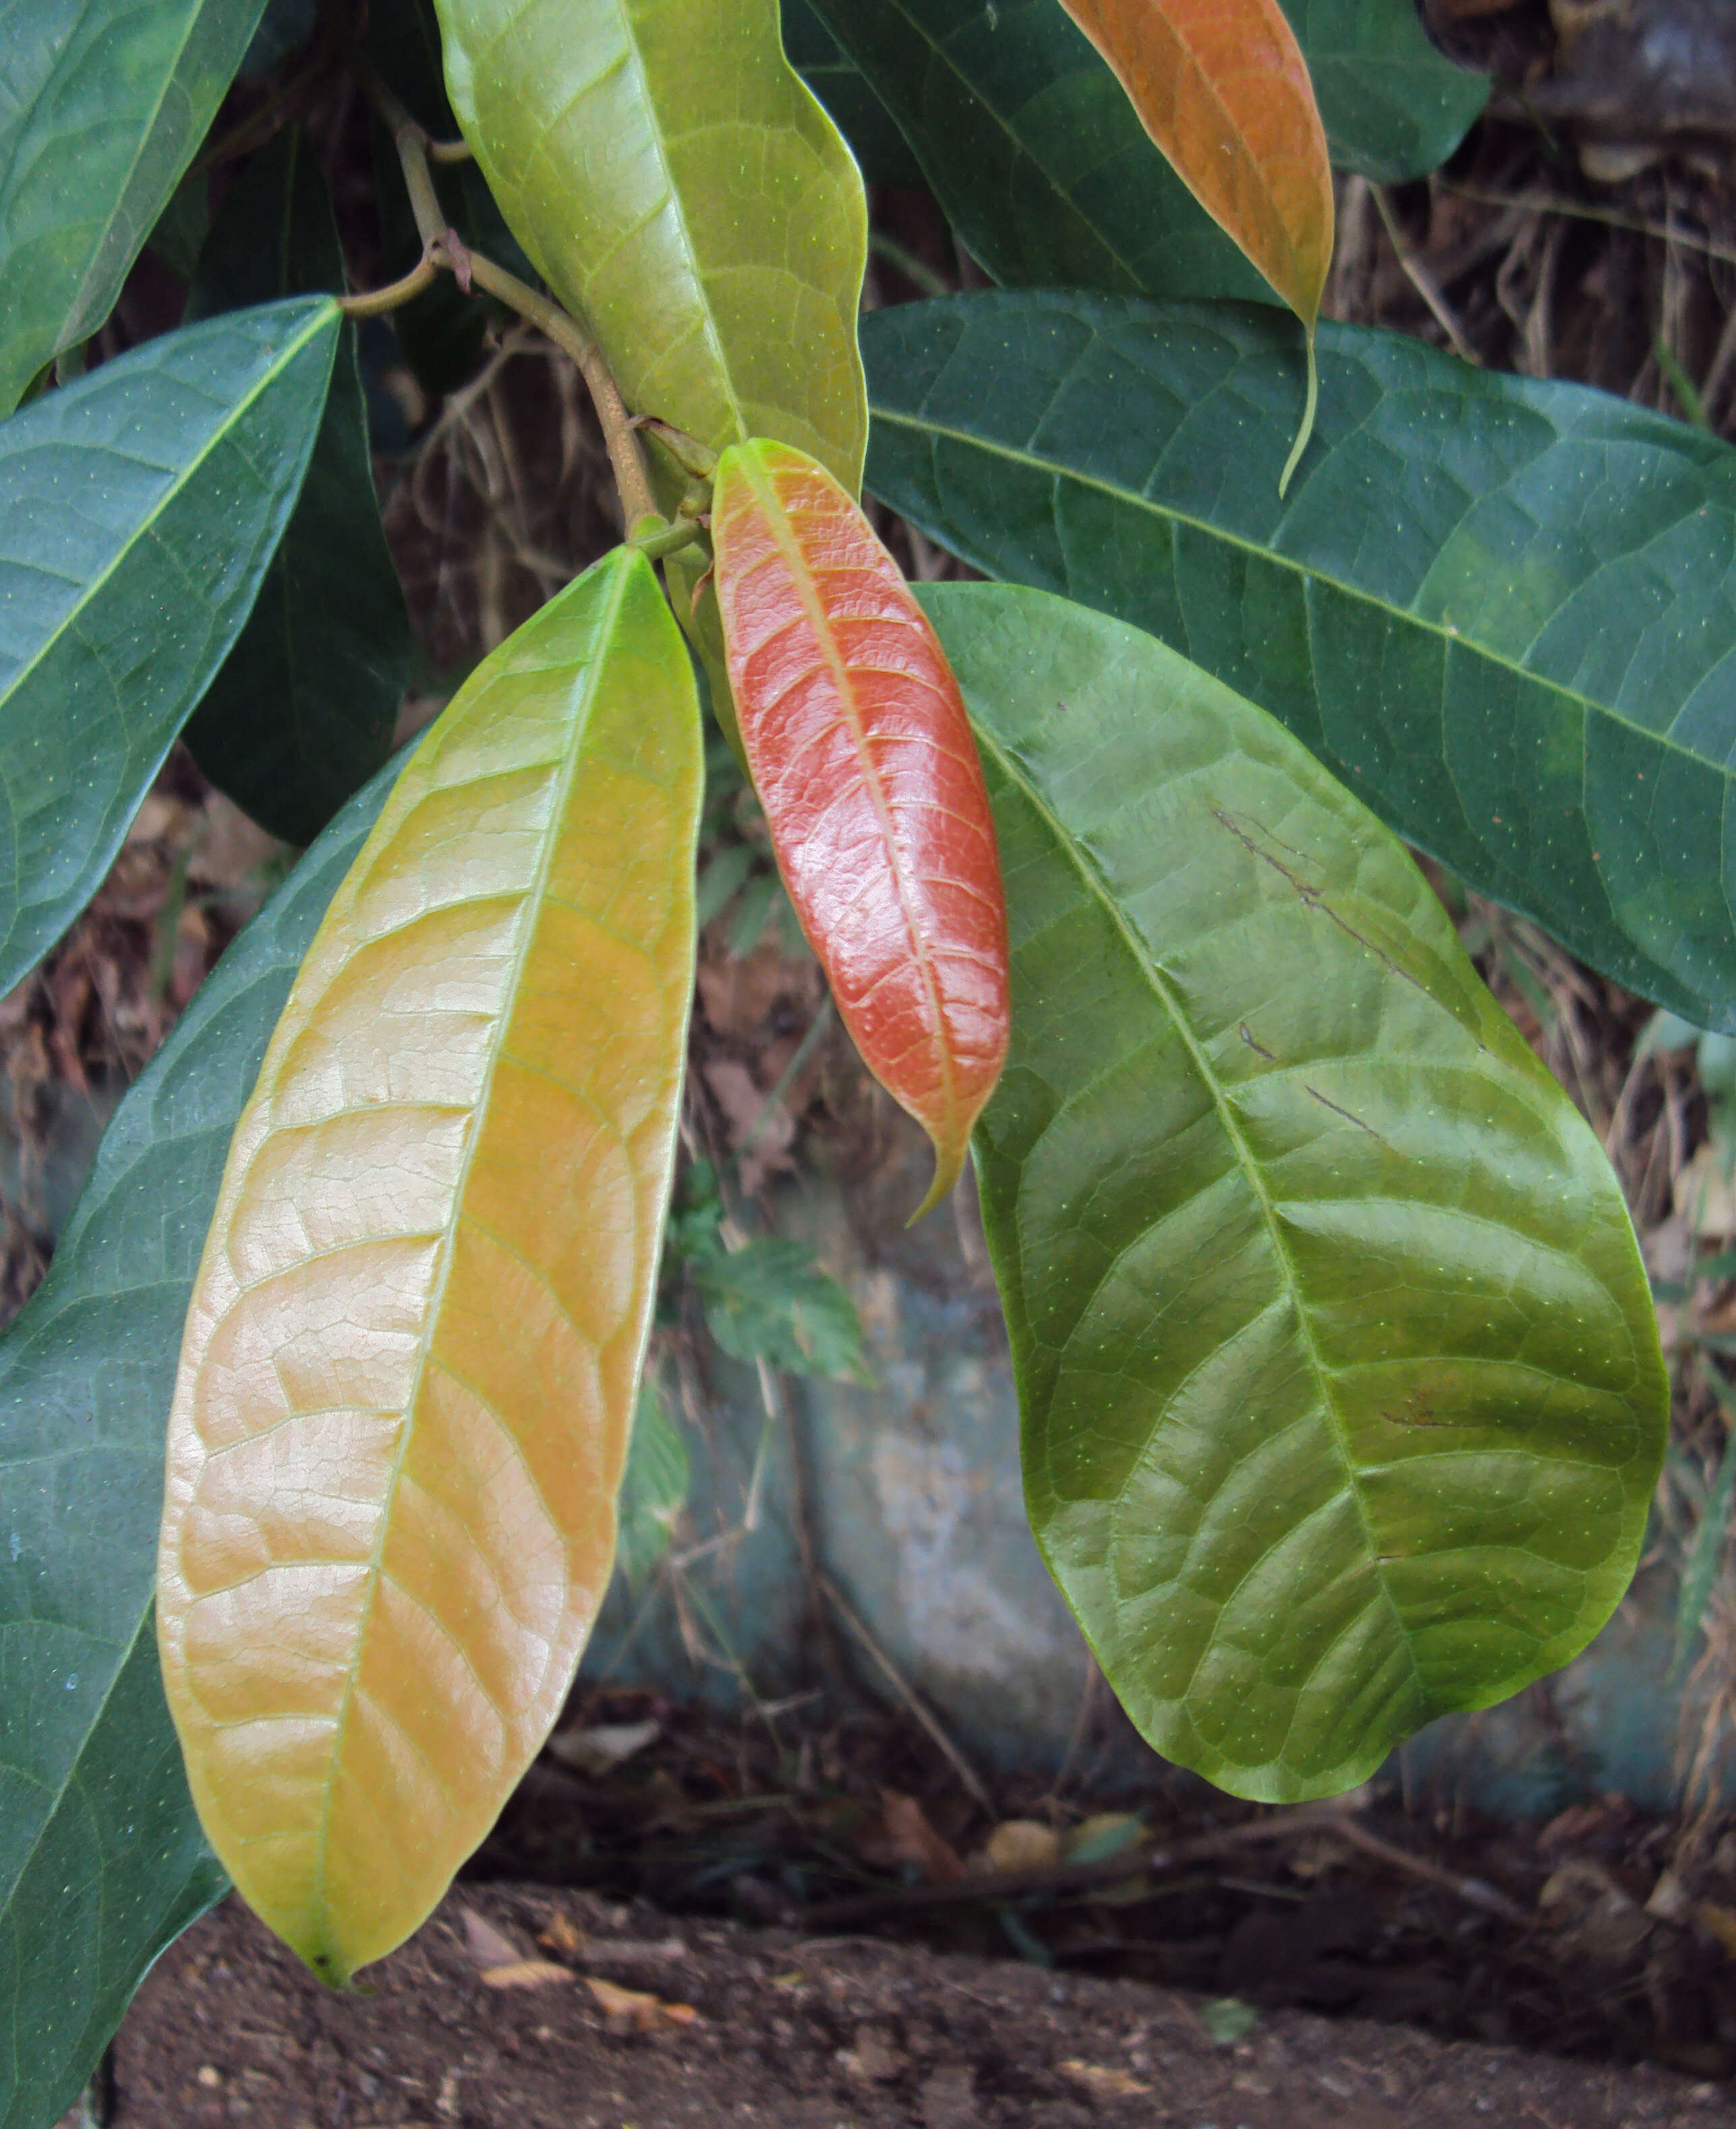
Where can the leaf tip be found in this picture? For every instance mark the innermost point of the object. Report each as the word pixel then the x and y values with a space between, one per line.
pixel 948 1167
pixel 1305 434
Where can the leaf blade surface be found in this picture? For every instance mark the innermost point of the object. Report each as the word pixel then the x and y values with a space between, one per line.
pixel 1222 87
pixel 302 711
pixel 1341 1399
pixel 103 107
pixel 139 510
pixel 428 1285
pixel 717 250
pixel 1500 610
pixel 1394 107
pixel 101 1859
pixel 864 764
pixel 1030 145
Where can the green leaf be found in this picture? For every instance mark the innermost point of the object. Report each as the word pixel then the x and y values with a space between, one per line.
pixel 717 251
pixel 139 509
pixel 1394 107
pixel 881 152
pixel 769 1301
pixel 1503 611
pixel 1030 145
pixel 302 711
pixel 100 109
pixel 1341 1397
pixel 102 1862
pixel 654 1487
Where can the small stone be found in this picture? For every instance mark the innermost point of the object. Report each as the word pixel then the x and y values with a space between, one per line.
pixel 210 2076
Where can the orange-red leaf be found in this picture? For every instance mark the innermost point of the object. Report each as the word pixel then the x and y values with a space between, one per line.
pixel 863 759
pixel 408 1374
pixel 1222 87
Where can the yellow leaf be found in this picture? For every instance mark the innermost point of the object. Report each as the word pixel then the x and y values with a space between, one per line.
pixel 408 1374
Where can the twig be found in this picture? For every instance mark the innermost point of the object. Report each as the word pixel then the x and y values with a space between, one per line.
pixel 960 1765
pixel 1474 1892
pixel 375 302
pixel 1421 279
pixel 444 247
pixel 993 1888
pixel 1580 211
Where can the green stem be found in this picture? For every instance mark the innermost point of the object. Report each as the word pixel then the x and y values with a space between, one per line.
pixel 443 245
pixel 375 302
pixel 1307 430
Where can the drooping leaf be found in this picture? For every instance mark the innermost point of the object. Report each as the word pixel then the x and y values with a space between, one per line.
pixel 881 152
pixel 139 509
pixel 1394 107
pixel 413 1348
pixel 862 760
pixel 1222 87
pixel 1030 144
pixel 769 1301
pixel 100 109
pixel 1503 611
pixel 1341 1396
pixel 654 1487
pixel 717 250
pixel 102 1860
pixel 301 713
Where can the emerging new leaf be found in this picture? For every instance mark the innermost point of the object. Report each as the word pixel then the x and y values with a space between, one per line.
pixel 411 1357
pixel 1338 1378
pixel 864 760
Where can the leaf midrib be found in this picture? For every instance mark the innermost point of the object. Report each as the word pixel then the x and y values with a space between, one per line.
pixel 172 493
pixel 602 635
pixel 1290 1284
pixel 1454 639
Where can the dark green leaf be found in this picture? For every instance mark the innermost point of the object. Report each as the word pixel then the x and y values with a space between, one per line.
pixel 100 109
pixel 1341 1396
pixel 183 227
pixel 1029 144
pixel 102 1862
pixel 654 1487
pixel 876 142
pixel 1393 106
pixel 1503 611
pixel 285 27
pixel 139 509
pixel 301 713
pixel 769 1301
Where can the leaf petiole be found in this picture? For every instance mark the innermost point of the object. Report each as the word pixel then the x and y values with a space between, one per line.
pixel 1307 430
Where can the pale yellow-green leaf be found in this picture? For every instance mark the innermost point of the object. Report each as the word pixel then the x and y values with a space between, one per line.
pixel 410 1361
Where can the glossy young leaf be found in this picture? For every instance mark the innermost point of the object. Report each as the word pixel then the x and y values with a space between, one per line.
pixel 883 154
pixel 1393 106
pixel 302 712
pixel 139 509
pixel 716 249
pixel 101 108
pixel 102 1860
pixel 1503 611
pixel 1341 1395
pixel 414 1344
pixel 864 763
pixel 1222 87
pixel 1029 144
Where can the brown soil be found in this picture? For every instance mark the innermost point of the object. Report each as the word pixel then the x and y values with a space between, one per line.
pixel 791 2033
